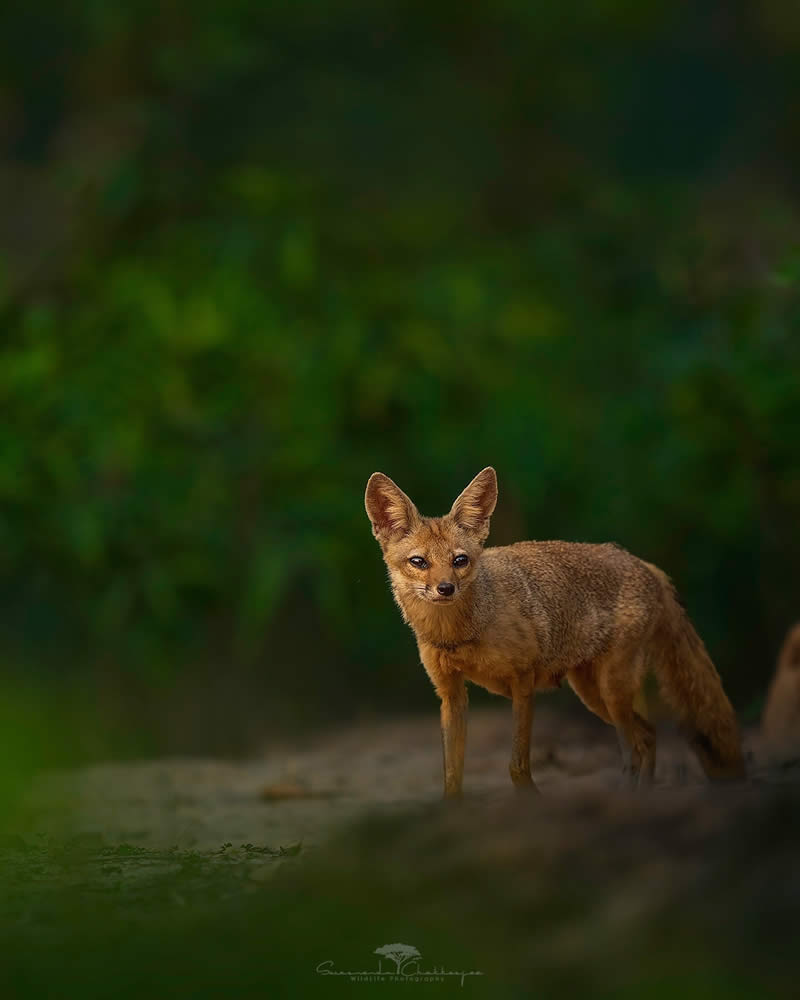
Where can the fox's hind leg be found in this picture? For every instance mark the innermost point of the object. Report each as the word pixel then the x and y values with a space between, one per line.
pixel 646 738
pixel 582 681
pixel 635 745
pixel 618 681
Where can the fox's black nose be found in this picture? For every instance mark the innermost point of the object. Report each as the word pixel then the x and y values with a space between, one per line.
pixel 446 589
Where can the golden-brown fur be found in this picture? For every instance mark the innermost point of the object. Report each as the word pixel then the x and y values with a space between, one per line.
pixel 524 617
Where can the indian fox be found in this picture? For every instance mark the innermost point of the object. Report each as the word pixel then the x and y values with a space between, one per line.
pixel 520 618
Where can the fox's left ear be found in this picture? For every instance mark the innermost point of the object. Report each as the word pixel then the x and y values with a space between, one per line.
pixel 391 512
pixel 475 505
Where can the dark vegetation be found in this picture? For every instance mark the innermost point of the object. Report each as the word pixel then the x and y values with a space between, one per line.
pixel 598 895
pixel 177 876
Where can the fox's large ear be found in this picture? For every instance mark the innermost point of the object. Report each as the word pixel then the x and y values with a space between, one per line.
pixel 474 506
pixel 390 510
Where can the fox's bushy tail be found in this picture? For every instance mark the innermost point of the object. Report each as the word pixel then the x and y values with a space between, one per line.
pixel 692 688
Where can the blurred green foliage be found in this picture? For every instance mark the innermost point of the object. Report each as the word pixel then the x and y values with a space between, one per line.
pixel 253 252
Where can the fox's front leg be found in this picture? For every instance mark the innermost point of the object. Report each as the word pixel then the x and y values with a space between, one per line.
pixel 453 692
pixel 522 711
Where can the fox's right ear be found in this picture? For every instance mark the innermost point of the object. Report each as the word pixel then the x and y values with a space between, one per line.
pixel 475 505
pixel 391 512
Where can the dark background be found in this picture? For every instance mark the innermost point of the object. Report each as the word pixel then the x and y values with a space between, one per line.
pixel 252 252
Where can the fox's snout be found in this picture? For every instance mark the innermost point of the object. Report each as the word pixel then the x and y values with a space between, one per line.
pixel 446 589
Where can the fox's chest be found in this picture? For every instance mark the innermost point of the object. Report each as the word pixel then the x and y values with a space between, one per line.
pixel 490 667
pixel 473 661
pixel 487 666
pixel 479 660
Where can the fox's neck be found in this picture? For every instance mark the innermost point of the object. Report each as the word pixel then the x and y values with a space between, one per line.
pixel 445 625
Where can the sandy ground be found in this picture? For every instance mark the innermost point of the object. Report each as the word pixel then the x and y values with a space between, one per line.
pixel 324 851
pixel 304 794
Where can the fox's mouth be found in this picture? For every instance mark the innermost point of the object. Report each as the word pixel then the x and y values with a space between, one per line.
pixel 442 600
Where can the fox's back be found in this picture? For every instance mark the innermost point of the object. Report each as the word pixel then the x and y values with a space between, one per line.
pixel 575 596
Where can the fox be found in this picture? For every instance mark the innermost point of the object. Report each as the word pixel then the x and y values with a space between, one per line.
pixel 522 618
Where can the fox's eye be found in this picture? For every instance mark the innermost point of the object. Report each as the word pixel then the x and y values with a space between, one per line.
pixel 418 562
pixel 460 561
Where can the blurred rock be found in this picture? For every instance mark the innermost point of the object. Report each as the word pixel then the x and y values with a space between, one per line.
pixel 780 723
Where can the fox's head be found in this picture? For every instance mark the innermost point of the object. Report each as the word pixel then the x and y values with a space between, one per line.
pixel 432 559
